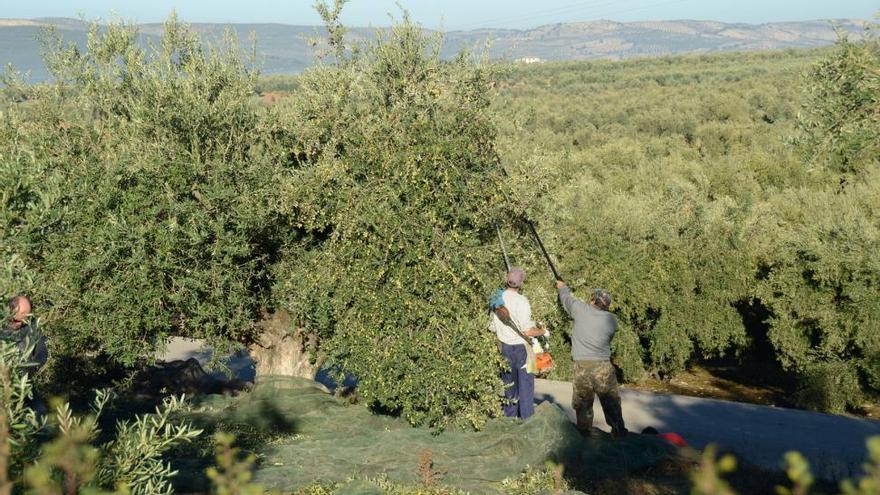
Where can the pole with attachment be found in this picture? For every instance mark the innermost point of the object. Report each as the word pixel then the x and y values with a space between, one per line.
pixel 528 222
pixel 543 249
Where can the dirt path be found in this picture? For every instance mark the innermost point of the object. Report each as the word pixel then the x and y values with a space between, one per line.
pixel 834 445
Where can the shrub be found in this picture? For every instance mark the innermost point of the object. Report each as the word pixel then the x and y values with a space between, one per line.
pixel 131 462
pixel 829 386
pixel 707 478
pixel 232 476
pixel 20 425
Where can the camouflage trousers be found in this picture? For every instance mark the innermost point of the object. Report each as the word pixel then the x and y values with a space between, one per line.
pixel 596 378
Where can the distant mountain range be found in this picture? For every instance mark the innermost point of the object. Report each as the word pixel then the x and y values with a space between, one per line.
pixel 284 49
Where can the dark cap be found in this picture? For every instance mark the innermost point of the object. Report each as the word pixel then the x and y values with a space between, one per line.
pixel 602 298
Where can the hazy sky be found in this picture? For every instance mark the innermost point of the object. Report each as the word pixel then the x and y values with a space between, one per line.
pixel 450 14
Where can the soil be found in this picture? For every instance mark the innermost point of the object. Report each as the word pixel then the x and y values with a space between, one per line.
pixel 754 383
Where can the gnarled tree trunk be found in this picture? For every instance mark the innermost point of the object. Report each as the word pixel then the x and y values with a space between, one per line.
pixel 283 349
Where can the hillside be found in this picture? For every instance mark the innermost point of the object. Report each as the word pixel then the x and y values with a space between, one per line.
pixel 285 49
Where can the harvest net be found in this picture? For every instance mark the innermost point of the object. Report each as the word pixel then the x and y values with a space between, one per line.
pixel 317 437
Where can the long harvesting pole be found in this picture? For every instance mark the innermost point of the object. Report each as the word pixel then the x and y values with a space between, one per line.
pixel 534 231
pixel 503 249
pixel 543 249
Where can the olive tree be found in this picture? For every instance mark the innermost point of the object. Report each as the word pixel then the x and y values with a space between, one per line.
pixel 394 198
pixel 136 191
pixel 822 272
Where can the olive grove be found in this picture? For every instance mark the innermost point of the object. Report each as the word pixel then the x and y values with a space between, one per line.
pixel 723 200
pixel 147 194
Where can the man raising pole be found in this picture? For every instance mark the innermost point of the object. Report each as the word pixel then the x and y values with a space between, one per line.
pixel 594 327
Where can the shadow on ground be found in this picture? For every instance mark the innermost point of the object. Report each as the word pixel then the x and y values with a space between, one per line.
pixel 302 435
pixel 834 445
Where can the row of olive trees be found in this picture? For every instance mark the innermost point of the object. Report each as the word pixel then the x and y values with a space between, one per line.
pixel 677 186
pixel 822 272
pixel 146 193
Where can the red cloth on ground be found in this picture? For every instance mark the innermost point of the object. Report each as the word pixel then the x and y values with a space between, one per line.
pixel 674 439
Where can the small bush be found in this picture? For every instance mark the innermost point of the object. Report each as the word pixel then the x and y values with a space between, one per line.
pixel 232 475
pixel 131 462
pixel 831 387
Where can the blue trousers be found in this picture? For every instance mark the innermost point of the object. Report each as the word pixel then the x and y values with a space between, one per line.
pixel 519 385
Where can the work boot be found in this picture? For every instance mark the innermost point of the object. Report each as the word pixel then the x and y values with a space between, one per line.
pixel 592 433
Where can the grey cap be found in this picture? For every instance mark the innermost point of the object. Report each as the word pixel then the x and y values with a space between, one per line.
pixel 602 297
pixel 516 277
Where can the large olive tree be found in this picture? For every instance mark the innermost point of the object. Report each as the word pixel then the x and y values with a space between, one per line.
pixel 394 198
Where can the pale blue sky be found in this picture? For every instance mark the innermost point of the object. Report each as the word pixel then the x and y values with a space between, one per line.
pixel 450 14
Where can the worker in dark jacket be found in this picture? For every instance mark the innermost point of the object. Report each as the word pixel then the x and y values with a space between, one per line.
pixel 594 327
pixel 22 329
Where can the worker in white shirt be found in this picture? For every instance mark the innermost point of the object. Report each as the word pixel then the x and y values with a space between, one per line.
pixel 511 322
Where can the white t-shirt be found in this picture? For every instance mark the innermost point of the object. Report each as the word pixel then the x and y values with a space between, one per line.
pixel 520 313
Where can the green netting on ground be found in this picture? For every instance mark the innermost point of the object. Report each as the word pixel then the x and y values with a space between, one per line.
pixel 316 437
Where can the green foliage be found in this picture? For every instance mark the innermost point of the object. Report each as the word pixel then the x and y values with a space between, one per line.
pixel 818 244
pixel 232 476
pixel 652 194
pixel 74 461
pixel 134 457
pixel 70 463
pixel 335 29
pixel 394 197
pixel 530 482
pixel 798 471
pixel 840 118
pixel 675 186
pixel 151 196
pixel 870 483
pixel 707 476
pixel 146 193
pixel 134 193
pixel 549 480
pixel 19 424
pixel 831 387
